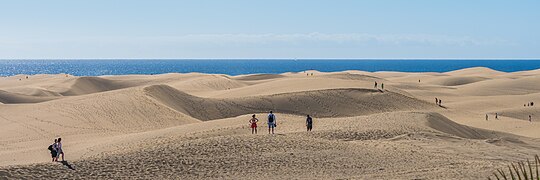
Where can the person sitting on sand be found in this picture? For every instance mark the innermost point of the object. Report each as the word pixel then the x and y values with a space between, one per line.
pixel 59 149
pixel 309 123
pixel 271 122
pixel 53 148
pixel 253 121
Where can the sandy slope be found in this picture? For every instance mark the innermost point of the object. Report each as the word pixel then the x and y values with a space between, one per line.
pixel 194 125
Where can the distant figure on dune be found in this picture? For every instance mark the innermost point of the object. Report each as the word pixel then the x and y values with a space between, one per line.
pixel 375 85
pixel 419 80
pixel 59 149
pixel 496 116
pixel 53 148
pixel 486 117
pixel 440 102
pixel 271 122
pixel 309 123
pixel 253 121
pixel 382 86
pixel 532 103
pixel 530 118
pixel 436 101
pixel 311 74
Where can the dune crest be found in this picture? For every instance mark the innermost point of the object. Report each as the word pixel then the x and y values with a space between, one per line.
pixel 88 85
pixel 320 103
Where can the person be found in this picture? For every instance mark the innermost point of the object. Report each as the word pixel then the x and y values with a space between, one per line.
pixel 59 149
pixel 440 102
pixel 530 118
pixel 271 122
pixel 419 80
pixel 52 148
pixel 253 121
pixel 309 123
pixel 532 103
pixel 375 84
pixel 311 74
pixel 382 86
pixel 496 116
pixel 486 117
pixel 436 101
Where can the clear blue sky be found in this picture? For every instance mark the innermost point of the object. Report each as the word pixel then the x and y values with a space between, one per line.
pixel 270 29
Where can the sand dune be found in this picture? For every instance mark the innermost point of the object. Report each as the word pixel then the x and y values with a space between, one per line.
pixel 504 86
pixel 195 126
pixel 13 98
pixel 475 71
pixel 256 77
pixel 340 148
pixel 521 113
pixel 88 85
pixel 455 81
pixel 320 103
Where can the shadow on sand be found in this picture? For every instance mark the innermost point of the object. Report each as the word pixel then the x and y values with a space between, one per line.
pixel 65 163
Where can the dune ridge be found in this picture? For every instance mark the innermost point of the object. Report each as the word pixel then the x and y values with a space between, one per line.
pixel 319 103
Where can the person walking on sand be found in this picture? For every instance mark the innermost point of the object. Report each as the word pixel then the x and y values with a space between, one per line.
pixel 271 122
pixel 59 149
pixel 486 117
pixel 53 148
pixel 309 123
pixel 253 121
pixel 440 102
pixel 375 85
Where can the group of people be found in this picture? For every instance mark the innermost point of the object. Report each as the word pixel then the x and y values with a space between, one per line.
pixel 272 123
pixel 376 86
pixel 496 116
pixel 529 104
pixel 56 150
pixel 438 101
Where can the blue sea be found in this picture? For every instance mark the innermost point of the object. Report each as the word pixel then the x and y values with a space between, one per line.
pixel 244 66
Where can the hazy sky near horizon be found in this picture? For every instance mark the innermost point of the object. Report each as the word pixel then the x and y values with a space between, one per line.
pixel 270 29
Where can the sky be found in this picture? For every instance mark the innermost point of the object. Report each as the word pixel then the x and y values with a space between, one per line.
pixel 218 29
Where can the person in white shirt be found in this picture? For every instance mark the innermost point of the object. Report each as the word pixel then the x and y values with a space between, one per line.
pixel 59 149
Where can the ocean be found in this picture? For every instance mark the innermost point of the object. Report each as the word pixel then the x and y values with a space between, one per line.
pixel 244 66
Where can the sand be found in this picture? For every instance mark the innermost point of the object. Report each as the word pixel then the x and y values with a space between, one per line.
pixel 195 126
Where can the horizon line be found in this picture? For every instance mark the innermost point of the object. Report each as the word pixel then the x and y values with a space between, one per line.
pixel 1 59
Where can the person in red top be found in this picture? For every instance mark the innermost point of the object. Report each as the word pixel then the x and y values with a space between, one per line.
pixel 253 121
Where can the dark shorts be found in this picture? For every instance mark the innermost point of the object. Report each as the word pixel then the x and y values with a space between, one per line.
pixel 53 153
pixel 309 126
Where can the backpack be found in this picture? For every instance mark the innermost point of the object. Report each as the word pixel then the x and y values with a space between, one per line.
pixel 271 118
pixel 50 148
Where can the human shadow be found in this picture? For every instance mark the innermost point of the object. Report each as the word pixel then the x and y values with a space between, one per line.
pixel 65 163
